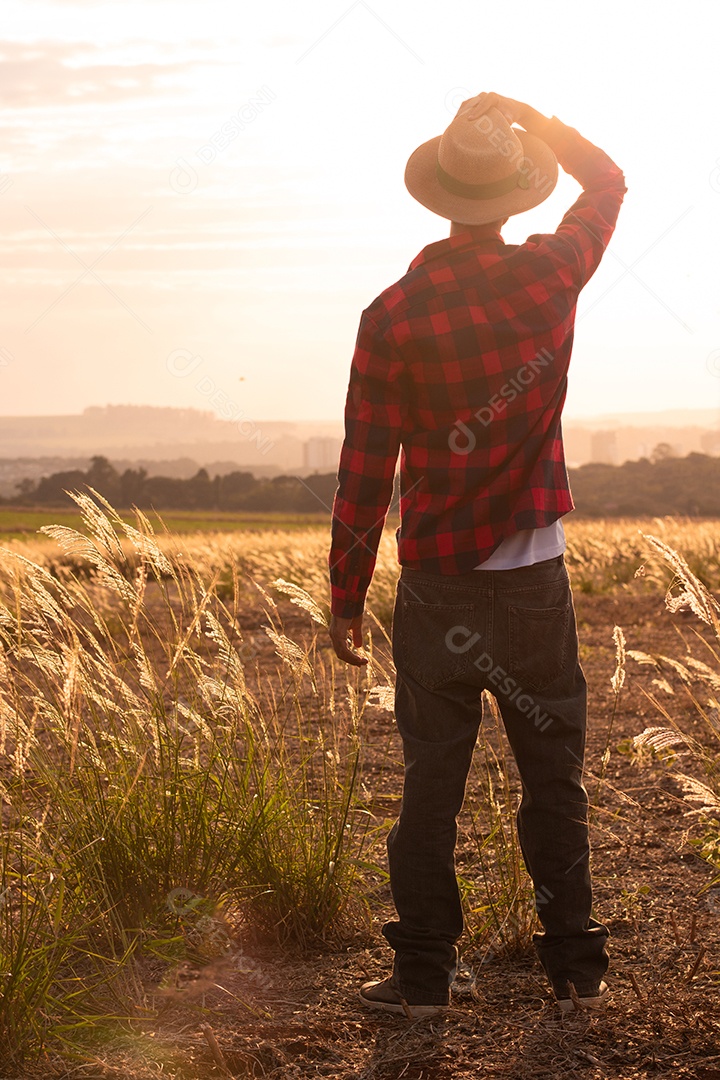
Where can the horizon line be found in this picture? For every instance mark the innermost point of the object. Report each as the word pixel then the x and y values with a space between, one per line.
pixel 576 417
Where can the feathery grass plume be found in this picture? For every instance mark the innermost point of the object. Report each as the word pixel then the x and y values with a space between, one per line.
pixel 295 657
pixel 679 669
pixel 148 548
pixel 704 671
pixel 660 738
pixel 705 757
pixel 617 681
pixel 683 670
pixel 694 594
pixel 227 656
pixel 618 677
pixel 695 791
pixel 74 543
pixel 383 697
pixel 100 525
pixel 641 657
pixel 266 596
pixel 302 599
pixel 664 685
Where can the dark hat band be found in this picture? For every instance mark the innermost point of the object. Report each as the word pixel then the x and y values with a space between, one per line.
pixel 481 191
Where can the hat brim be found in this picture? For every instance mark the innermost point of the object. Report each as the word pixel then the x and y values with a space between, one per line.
pixel 422 183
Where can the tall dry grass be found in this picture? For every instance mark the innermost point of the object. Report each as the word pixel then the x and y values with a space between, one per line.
pixel 146 756
pixel 602 557
pixel 168 785
pixel 693 759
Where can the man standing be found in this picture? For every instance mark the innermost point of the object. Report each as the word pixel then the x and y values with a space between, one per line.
pixel 463 364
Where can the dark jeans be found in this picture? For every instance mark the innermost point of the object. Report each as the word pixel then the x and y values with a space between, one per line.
pixel 512 632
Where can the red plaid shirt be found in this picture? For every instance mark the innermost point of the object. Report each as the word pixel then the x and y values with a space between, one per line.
pixel 462 364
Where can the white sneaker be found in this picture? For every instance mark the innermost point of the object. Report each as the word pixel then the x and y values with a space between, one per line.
pixel 381 994
pixel 578 1004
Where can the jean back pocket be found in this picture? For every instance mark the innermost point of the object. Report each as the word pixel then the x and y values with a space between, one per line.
pixel 436 641
pixel 538 644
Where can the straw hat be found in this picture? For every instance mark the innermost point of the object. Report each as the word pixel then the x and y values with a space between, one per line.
pixel 481 170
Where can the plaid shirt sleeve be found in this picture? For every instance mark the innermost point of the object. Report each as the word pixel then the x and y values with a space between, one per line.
pixel 589 223
pixel 375 411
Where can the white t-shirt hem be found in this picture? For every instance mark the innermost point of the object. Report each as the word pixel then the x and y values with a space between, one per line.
pixel 526 547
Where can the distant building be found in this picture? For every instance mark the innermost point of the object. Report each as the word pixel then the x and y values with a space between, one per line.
pixel 322 454
pixel 157 437
pixel 576 440
pixel 710 442
pixel 603 447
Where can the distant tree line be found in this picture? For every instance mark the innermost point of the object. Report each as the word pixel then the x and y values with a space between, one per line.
pixel 133 487
pixel 661 484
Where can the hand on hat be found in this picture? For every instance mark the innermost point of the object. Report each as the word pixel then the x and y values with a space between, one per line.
pixel 475 107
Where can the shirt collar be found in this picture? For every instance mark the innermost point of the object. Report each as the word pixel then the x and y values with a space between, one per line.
pixel 468 238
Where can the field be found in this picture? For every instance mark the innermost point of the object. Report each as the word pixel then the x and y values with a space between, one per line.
pixel 196 796
pixel 23 522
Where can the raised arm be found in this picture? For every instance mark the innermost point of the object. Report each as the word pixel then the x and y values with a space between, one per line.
pixel 586 228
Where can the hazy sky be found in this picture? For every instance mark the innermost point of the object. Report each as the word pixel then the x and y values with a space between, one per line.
pixel 197 200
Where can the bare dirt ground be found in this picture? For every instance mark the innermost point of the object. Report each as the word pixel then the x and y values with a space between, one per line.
pixel 292 1016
